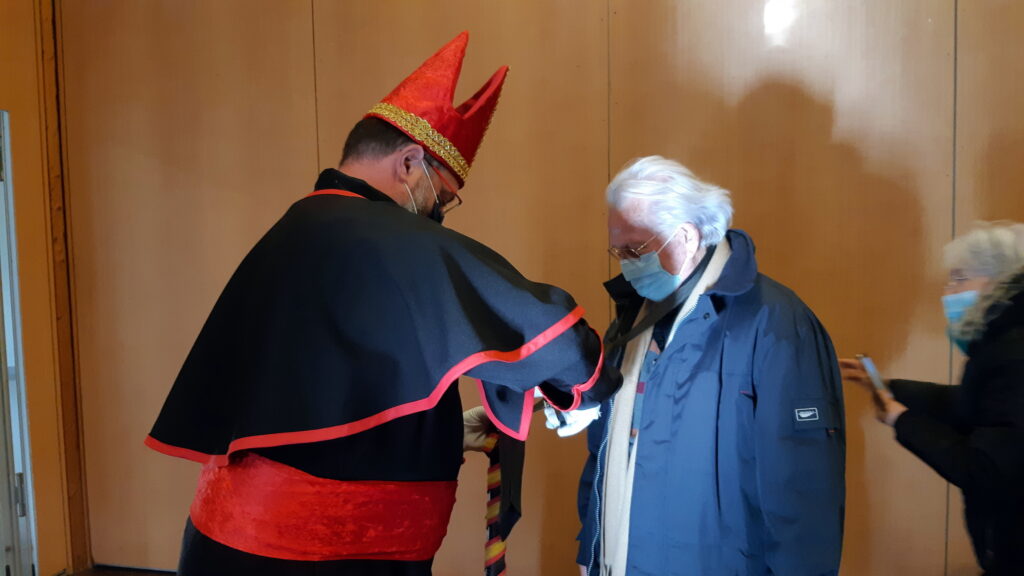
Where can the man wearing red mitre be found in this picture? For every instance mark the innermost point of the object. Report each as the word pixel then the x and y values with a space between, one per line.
pixel 320 396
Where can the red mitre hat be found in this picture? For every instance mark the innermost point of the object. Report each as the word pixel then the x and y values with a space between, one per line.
pixel 421 106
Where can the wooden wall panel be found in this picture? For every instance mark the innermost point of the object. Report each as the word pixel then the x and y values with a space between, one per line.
pixel 832 125
pixel 190 128
pixel 990 148
pixel 989 120
pixel 534 194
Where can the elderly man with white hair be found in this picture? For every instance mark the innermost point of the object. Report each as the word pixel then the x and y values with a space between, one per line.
pixel 973 434
pixel 724 451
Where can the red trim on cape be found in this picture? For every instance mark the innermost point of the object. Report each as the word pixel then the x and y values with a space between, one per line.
pixel 348 429
pixel 524 419
pixel 579 389
pixel 185 453
pixel 336 193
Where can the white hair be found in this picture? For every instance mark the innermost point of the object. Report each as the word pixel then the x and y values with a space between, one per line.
pixel 996 250
pixel 992 249
pixel 675 197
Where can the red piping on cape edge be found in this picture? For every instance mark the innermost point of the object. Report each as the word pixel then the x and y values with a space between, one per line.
pixel 579 389
pixel 527 416
pixel 332 432
pixel 336 193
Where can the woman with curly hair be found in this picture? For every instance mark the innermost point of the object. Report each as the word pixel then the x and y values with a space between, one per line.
pixel 973 434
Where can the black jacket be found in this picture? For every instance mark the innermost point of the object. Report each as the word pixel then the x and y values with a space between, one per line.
pixel 973 435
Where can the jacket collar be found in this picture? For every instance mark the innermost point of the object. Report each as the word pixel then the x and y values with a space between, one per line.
pixel 740 270
pixel 331 179
pixel 1006 311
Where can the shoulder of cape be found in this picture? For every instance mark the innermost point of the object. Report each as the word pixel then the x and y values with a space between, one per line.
pixel 425 239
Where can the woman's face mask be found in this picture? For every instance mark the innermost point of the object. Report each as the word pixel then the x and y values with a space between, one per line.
pixel 955 306
pixel 963 291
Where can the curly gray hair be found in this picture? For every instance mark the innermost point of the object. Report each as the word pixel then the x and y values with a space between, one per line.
pixel 991 249
pixel 995 250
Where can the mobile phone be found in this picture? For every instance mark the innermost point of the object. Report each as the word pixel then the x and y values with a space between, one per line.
pixel 872 370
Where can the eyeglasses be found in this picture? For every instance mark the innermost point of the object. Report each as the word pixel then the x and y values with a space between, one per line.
pixel 958 277
pixel 456 200
pixel 627 253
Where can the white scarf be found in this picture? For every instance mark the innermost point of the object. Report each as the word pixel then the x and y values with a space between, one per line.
pixel 620 463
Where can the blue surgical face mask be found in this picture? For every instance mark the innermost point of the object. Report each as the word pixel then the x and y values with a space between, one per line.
pixel 954 306
pixel 647 276
pixel 960 343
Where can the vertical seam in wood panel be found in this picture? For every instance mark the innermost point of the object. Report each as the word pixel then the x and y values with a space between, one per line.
pixel 69 395
pixel 956 88
pixel 316 94
pixel 38 22
pixel 608 110
pixel 608 124
pixel 81 541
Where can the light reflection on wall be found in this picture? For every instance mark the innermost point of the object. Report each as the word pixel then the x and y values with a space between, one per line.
pixel 779 16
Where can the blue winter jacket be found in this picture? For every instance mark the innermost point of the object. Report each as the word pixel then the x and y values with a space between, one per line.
pixel 741 451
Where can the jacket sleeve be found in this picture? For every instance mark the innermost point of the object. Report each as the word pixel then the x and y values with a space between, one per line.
pixel 963 460
pixel 938 401
pixel 983 458
pixel 570 370
pixel 800 452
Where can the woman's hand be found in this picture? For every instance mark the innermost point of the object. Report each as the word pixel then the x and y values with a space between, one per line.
pixel 853 371
pixel 887 409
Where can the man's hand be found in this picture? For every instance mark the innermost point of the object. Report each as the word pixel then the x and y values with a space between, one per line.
pixel 887 409
pixel 475 428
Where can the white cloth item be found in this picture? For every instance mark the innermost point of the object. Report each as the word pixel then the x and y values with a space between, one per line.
pixel 567 423
pixel 572 422
pixel 621 461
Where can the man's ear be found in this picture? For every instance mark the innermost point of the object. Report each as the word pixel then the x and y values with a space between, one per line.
pixel 405 161
pixel 691 237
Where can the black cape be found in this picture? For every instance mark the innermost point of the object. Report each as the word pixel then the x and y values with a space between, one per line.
pixel 352 312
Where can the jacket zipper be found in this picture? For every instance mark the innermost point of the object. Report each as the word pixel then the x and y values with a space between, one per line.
pixel 597 495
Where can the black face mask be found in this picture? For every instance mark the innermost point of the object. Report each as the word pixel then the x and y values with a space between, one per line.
pixel 436 213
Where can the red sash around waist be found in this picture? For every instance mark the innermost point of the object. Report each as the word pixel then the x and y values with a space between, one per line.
pixel 263 507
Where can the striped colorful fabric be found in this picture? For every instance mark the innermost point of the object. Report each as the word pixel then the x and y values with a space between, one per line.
pixel 494 552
